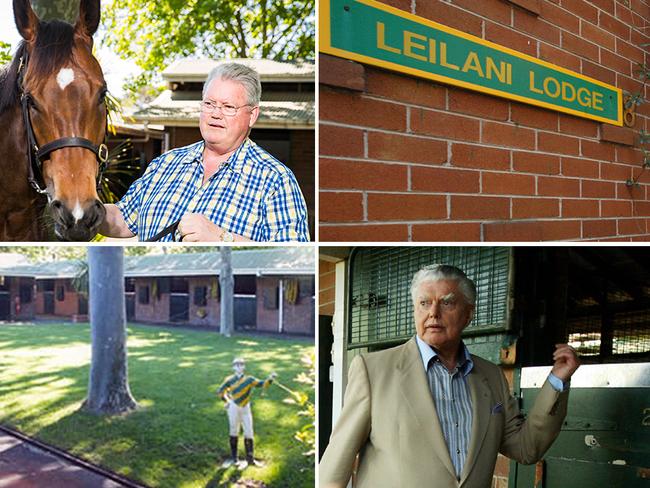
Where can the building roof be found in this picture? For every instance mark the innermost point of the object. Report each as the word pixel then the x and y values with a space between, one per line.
pixel 262 262
pixel 196 70
pixel 295 111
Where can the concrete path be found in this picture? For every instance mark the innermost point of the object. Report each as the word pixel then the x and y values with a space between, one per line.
pixel 23 465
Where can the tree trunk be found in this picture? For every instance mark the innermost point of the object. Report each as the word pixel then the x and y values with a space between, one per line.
pixel 108 387
pixel 227 283
pixel 67 10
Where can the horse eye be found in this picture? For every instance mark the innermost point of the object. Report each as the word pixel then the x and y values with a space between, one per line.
pixel 31 103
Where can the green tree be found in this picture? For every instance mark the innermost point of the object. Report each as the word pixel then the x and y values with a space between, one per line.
pixel 5 52
pixel 67 10
pixel 155 34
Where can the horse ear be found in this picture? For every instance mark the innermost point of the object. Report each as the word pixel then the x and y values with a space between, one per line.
pixel 89 15
pixel 26 19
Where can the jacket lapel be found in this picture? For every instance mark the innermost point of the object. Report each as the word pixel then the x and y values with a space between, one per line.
pixel 480 392
pixel 417 395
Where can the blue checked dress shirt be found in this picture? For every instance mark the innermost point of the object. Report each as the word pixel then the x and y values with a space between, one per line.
pixel 252 194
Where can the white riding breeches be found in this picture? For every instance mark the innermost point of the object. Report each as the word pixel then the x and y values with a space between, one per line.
pixel 240 416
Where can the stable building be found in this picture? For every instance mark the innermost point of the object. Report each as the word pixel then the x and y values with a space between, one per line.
pixel 507 120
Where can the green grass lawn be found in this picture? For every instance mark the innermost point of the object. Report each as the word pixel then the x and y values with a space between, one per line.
pixel 179 435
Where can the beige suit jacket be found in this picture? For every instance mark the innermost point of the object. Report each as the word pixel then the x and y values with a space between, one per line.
pixel 390 420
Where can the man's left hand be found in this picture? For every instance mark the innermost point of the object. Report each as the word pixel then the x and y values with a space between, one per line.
pixel 566 362
pixel 195 227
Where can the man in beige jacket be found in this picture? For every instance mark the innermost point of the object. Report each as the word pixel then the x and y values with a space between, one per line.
pixel 429 414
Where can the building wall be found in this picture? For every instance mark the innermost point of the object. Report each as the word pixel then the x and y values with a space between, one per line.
pixel 298 317
pixel 210 314
pixel 157 310
pixel 327 280
pixel 69 306
pixel 403 158
pixel 22 310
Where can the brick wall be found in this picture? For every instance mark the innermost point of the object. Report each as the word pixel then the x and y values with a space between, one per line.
pixel 70 303
pixel 298 318
pixel 209 315
pixel 157 310
pixel 326 287
pixel 403 158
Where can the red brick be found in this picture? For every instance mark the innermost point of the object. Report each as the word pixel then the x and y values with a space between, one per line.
pixel 533 6
pixel 627 83
pixel 598 189
pixel 533 116
pixel 615 208
pixel 629 155
pixel 615 26
pixel 508 135
pixel 340 206
pixel 628 51
pixel 444 125
pixel 470 156
pixel 579 208
pixel 468 232
pixel 558 186
pixel 360 175
pixel 616 62
pixel 530 162
pixel 635 193
pixel 578 127
pixel 560 57
pixel 344 233
pixel 620 135
pixel 582 9
pixel 606 5
pixel 492 9
pixel 477 104
pixel 526 208
pixel 616 172
pixel 357 110
pixel 405 88
pixel 631 226
pixel 477 207
pixel 410 149
pixel 341 73
pixel 598 228
pixel 597 35
pixel 580 167
pixel 596 71
pixel 400 4
pixel 532 231
pixel 406 206
pixel 536 27
pixel 446 180
pixel 509 38
pixel 556 143
pixel 507 184
pixel 451 16
pixel 623 14
pixel 579 46
pixel 598 150
pixel 339 141
pixel 559 17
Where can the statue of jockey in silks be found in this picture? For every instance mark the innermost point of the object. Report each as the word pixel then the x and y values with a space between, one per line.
pixel 236 391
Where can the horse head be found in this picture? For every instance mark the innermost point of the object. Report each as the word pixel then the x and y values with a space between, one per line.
pixel 63 96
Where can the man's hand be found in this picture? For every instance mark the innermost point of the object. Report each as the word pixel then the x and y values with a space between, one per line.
pixel 566 362
pixel 196 227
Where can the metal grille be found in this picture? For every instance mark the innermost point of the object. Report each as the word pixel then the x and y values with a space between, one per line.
pixel 380 304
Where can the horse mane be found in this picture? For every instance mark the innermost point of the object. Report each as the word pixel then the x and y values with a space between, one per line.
pixel 52 50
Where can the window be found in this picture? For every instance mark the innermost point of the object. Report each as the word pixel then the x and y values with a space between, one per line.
pixel 45 285
pixel 245 284
pixel 179 285
pixel 60 293
pixel 200 296
pixel 25 293
pixel 143 295
pixel 306 287
pixel 129 285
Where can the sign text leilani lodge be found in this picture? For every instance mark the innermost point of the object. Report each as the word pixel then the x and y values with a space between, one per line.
pixel 376 34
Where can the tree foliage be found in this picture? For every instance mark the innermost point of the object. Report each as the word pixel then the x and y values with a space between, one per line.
pixel 67 10
pixel 307 433
pixel 155 34
pixel 5 52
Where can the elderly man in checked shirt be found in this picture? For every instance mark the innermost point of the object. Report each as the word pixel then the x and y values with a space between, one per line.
pixel 223 188
pixel 236 391
pixel 430 414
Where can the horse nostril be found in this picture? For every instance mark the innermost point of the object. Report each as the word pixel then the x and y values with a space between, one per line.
pixel 57 205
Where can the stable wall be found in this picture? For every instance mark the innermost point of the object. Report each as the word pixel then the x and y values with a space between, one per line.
pixel 408 159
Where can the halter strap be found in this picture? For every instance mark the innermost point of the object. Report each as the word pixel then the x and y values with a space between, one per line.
pixel 170 229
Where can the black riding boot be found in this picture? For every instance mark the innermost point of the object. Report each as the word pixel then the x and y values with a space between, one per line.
pixel 233 447
pixel 248 443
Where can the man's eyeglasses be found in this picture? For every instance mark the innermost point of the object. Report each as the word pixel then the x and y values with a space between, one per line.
pixel 208 107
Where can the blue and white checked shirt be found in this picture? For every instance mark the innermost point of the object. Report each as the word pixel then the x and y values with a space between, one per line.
pixel 252 194
pixel 453 401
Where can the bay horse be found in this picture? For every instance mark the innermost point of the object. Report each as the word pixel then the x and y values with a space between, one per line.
pixel 52 129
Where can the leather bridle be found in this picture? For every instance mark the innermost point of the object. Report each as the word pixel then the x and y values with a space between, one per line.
pixel 37 155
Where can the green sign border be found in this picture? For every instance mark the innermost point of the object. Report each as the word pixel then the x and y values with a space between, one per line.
pixel 326 47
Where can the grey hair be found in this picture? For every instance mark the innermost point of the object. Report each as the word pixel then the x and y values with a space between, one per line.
pixel 438 272
pixel 242 74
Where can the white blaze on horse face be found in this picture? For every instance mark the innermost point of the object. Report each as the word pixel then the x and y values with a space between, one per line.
pixel 65 77
pixel 77 212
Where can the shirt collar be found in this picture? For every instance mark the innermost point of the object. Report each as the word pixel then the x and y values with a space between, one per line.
pixel 465 364
pixel 235 162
